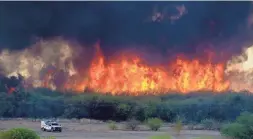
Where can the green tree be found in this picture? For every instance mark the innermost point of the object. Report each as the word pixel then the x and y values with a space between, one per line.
pixel 19 133
pixel 241 129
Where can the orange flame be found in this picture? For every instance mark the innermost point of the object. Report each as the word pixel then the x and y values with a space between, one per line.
pixel 134 77
pixel 126 74
pixel 11 90
pixel 47 77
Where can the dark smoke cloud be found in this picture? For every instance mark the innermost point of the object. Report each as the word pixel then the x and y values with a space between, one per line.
pixel 120 24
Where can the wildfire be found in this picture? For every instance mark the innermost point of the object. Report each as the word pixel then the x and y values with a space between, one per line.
pixel 40 63
pixel 134 77
pixel 11 90
pixel 240 71
pixel 52 64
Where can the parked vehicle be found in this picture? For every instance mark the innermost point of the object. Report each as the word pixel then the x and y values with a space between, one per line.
pixel 50 126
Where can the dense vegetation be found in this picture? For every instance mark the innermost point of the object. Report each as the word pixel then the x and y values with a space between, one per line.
pixel 195 107
pixel 242 128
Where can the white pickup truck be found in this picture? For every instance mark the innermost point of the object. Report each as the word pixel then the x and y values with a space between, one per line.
pixel 48 125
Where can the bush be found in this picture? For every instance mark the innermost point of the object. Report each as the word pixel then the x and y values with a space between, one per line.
pixel 161 137
pixel 235 130
pixel 132 124
pixel 19 133
pixel 241 129
pixel 112 125
pixel 154 123
pixel 178 127
pixel 210 124
pixel 123 111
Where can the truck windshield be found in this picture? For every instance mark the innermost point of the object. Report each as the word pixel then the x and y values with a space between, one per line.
pixel 54 124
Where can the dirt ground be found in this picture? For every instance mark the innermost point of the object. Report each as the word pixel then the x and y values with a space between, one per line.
pixel 98 130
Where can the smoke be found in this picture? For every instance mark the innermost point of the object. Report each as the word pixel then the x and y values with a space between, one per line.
pixel 63 65
pixel 38 63
pixel 240 71
pixel 122 23
pixel 157 32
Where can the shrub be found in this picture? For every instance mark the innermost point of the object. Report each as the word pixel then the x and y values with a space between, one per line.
pixel 178 127
pixel 112 125
pixel 241 129
pixel 235 131
pixel 154 123
pixel 132 124
pixel 19 133
pixel 210 124
pixel 166 136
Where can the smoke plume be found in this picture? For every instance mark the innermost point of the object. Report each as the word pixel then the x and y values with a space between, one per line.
pixel 128 47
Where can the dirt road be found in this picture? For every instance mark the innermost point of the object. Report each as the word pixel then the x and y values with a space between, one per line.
pixel 85 130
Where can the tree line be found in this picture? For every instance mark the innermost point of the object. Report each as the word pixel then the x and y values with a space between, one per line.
pixel 193 107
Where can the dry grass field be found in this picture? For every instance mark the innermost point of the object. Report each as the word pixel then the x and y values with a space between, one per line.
pixel 86 129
